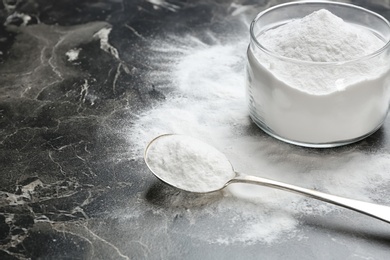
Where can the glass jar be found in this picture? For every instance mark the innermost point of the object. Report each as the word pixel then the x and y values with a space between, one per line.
pixel 355 101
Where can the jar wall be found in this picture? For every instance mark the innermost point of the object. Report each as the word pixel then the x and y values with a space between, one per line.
pixel 356 107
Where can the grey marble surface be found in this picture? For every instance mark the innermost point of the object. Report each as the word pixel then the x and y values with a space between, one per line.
pixel 76 81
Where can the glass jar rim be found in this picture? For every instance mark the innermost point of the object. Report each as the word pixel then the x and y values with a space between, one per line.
pixel 279 56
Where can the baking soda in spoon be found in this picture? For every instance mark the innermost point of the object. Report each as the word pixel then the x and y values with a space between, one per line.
pixel 188 164
pixel 192 165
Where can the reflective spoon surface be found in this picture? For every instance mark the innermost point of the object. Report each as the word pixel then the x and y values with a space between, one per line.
pixel 230 176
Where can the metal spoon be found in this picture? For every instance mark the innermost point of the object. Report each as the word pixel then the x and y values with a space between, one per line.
pixel 230 176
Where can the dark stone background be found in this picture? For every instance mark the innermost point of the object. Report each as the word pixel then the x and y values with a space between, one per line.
pixel 62 166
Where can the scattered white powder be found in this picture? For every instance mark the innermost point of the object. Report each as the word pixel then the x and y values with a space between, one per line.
pixel 321 37
pixel 188 163
pixel 73 54
pixel 103 35
pixel 317 102
pixel 15 15
pixel 208 102
pixel 163 4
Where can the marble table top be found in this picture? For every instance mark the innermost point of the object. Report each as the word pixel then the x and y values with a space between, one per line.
pixel 85 84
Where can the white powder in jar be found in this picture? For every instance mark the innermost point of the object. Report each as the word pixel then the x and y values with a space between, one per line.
pixel 321 37
pixel 308 100
pixel 188 163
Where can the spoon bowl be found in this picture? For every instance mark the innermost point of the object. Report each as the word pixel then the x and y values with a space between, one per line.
pixel 188 164
pixel 191 165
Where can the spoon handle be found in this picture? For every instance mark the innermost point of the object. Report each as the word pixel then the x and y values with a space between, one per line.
pixel 374 210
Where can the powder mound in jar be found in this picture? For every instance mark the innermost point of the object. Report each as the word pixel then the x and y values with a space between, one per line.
pixel 321 37
pixel 188 163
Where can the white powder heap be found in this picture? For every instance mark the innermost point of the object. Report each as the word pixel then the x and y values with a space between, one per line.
pixel 188 163
pixel 321 37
